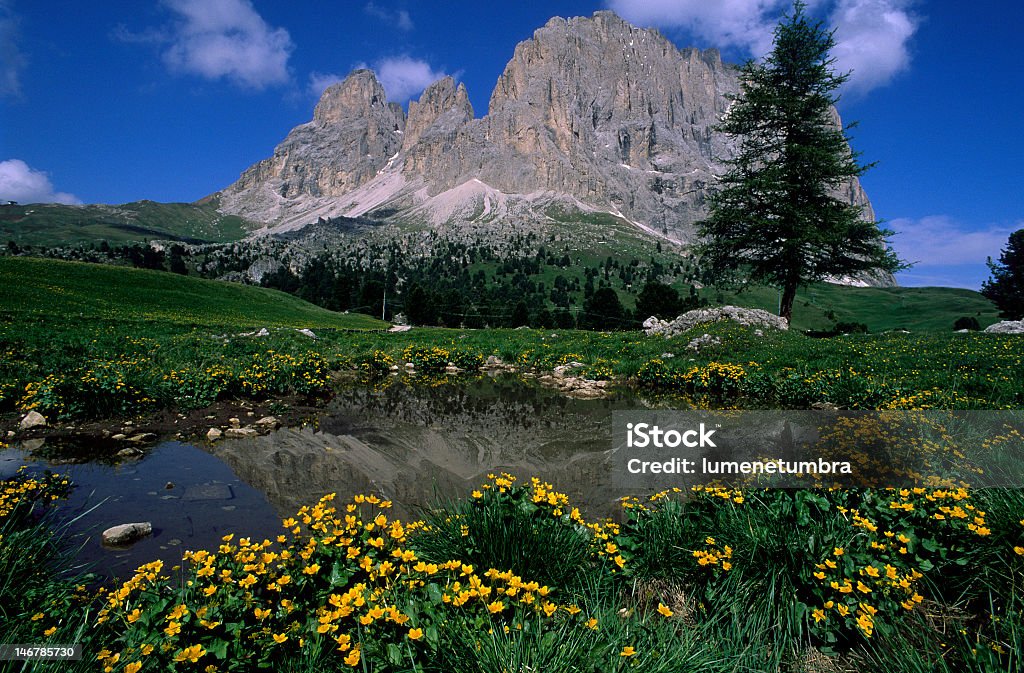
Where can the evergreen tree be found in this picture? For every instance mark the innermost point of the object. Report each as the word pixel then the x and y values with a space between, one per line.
pixel 659 300
pixel 777 216
pixel 603 310
pixel 419 306
pixel 1006 287
pixel 520 315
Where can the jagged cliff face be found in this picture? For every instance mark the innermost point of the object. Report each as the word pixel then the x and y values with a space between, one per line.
pixel 592 112
pixel 353 132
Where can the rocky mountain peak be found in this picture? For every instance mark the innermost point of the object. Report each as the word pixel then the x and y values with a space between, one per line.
pixel 442 104
pixel 359 95
pixel 592 112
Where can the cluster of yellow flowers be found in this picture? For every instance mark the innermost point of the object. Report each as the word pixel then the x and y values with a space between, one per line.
pixel 340 573
pixel 714 555
pixel 714 374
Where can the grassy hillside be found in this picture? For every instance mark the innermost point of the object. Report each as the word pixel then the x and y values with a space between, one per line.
pixel 54 289
pixel 919 309
pixel 55 224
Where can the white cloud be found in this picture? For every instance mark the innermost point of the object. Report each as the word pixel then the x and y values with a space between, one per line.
pixel 19 182
pixel 404 77
pixel 318 81
pixel 12 61
pixel 940 240
pixel 871 35
pixel 398 18
pixel 871 40
pixel 746 24
pixel 227 39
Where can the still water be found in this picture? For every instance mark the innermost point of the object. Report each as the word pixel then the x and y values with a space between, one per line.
pixel 414 444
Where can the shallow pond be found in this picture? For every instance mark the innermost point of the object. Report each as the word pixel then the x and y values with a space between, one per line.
pixel 415 444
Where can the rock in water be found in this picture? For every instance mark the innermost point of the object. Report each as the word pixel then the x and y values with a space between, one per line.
pixel 267 423
pixel 32 419
pixel 241 433
pixel 126 533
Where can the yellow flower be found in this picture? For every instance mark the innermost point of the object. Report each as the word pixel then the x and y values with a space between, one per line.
pixel 627 651
pixel 819 615
pixel 191 654
pixel 353 658
pixel 415 634
pixel 279 638
pixel 133 667
pixel 592 623
pixel 496 606
pixel 664 610
pixel 50 631
pixel 261 614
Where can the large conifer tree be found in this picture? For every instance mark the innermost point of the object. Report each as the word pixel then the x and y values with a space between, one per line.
pixel 1006 286
pixel 777 215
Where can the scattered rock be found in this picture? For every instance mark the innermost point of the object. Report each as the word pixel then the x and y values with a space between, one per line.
pixel 561 370
pixel 742 316
pixel 267 423
pixel 493 360
pixel 119 437
pixel 1004 327
pixel 126 533
pixel 235 422
pixel 409 365
pixel 32 419
pixel 142 438
pixel 169 485
pixel 130 452
pixel 307 332
pixel 703 341
pixel 400 328
pixel 213 434
pixel 452 369
pixel 824 406
pixel 241 433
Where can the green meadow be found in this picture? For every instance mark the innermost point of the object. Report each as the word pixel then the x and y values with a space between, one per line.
pixel 513 576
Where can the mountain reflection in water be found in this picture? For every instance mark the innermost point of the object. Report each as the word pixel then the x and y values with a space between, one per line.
pixel 420 444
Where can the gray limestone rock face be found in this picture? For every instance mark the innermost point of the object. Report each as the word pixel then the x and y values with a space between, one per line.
pixel 354 132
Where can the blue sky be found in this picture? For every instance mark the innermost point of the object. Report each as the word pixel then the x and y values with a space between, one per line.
pixel 170 100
